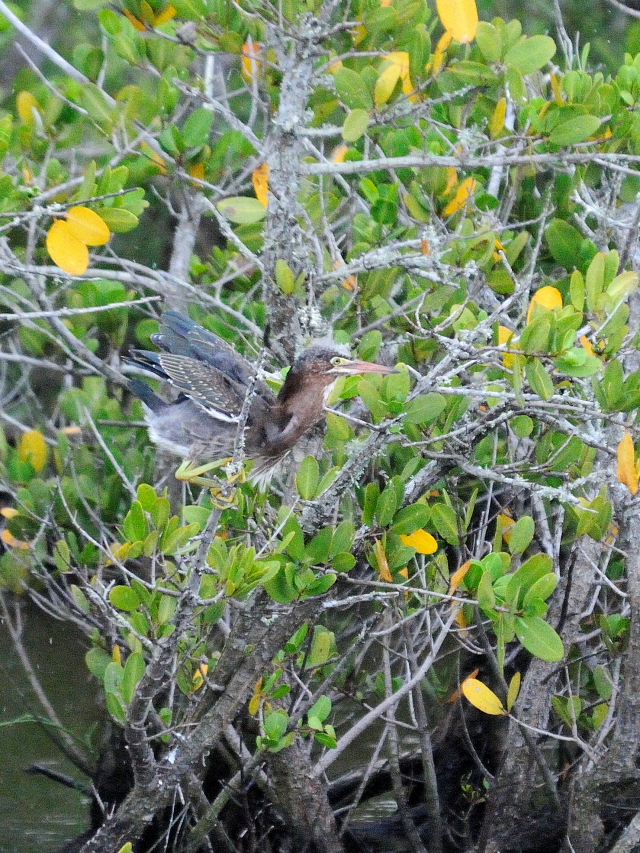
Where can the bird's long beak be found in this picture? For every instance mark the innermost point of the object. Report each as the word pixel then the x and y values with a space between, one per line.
pixel 353 367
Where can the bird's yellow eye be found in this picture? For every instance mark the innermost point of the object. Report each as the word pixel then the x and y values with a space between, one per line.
pixel 336 361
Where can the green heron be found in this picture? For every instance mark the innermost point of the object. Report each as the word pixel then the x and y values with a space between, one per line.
pixel 213 381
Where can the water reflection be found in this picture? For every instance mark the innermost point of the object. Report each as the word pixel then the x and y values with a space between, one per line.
pixel 35 812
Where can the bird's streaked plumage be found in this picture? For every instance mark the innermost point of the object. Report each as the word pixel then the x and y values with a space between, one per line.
pixel 213 382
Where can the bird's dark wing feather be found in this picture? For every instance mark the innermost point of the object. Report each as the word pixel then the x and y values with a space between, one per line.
pixel 181 336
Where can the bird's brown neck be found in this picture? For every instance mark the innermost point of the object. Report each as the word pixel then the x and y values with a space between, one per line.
pixel 299 407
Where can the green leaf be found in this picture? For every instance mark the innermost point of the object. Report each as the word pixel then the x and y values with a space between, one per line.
pixel 542 589
pixel 243 210
pixel 97 661
pixel 411 518
pixel 355 125
pixel 521 534
pixel 320 585
pixel 317 551
pixel 535 337
pixel 539 378
pixel 564 242
pixel 574 130
pixel 514 689
pixel 386 506
pixel 343 561
pixel 445 521
pixel 95 103
pixel 425 408
pixel 485 594
pixel 530 54
pixel 115 707
pixel 320 710
pixel 522 425
pixel 352 89
pixel 124 598
pixel 118 219
pixel 489 41
pixel 281 587
pixel 192 10
pixel 197 128
pixel 307 478
pixel 539 638
pixel 134 669
pixel 135 526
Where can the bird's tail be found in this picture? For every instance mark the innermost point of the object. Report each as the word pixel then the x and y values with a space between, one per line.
pixel 147 395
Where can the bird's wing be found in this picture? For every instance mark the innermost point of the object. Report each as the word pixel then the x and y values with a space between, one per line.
pixel 179 335
pixel 211 389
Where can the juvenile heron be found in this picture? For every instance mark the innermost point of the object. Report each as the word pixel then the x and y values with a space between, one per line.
pixel 213 381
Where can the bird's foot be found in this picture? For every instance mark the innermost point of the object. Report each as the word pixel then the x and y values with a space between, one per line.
pixel 222 494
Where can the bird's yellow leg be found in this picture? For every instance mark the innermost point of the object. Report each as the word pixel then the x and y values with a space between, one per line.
pixel 221 494
pixel 190 473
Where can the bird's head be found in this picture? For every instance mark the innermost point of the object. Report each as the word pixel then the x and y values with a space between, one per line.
pixel 317 368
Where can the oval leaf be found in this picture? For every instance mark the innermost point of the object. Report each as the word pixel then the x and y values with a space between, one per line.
pixel 530 54
pixel 355 125
pixel 307 478
pixel 481 697
pixel 87 226
pixel 627 473
pixel 33 448
pixel 459 18
pixel 539 638
pixel 574 130
pixel 242 210
pixel 69 253
pixel 421 540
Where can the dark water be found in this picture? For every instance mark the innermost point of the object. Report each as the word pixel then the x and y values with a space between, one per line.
pixel 37 814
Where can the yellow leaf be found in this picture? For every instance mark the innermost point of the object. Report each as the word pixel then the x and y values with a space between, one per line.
pixel 385 84
pixel 435 66
pixel 165 16
pixel 461 199
pixel 136 23
pixel 33 448
pixel 627 473
pixel 460 18
pixel 423 542
pixel 505 336
pixel 359 33
pixel 586 344
pixel 458 693
pixel 547 297
pixel 199 676
pixel 9 512
pixel 119 552
pixel 339 153
pixel 514 689
pixel 481 697
pixel 452 179
pixel 260 178
pixel 196 170
pixel 556 89
pixel 146 13
pixel 496 123
pixel 383 564
pixel 69 253
pixel 458 576
pixel 505 523
pixel 26 103
pixel 116 655
pixel 10 541
pixel 251 65
pixel 87 226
